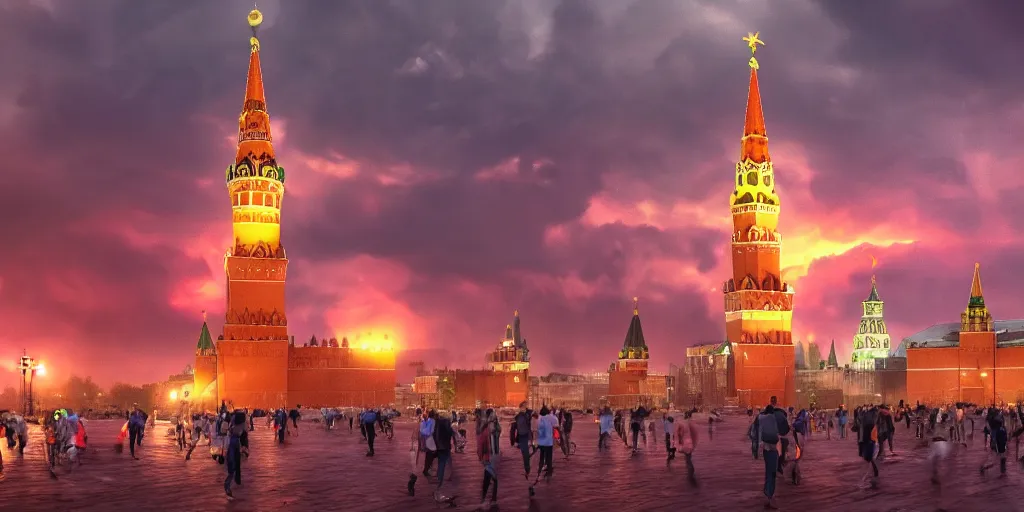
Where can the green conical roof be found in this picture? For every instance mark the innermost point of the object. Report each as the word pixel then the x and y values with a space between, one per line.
pixel 832 361
pixel 205 341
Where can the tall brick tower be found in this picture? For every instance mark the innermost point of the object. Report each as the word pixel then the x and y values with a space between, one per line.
pixel 977 351
pixel 628 375
pixel 252 354
pixel 758 304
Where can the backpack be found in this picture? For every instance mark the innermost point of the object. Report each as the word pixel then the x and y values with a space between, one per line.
pixel 769 429
pixel 785 424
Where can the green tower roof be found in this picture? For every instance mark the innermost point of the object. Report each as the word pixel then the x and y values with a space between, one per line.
pixel 205 341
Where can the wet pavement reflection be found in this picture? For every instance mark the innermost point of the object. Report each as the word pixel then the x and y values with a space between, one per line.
pixel 329 471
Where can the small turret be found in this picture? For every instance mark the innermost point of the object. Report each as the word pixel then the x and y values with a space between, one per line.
pixel 976 317
pixel 634 346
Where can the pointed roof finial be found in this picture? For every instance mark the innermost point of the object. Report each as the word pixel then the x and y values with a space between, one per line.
pixel 873 296
pixel 636 306
pixel 752 41
pixel 754 146
pixel 204 316
pixel 515 312
pixel 976 283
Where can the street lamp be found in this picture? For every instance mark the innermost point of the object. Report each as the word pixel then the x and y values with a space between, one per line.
pixel 29 368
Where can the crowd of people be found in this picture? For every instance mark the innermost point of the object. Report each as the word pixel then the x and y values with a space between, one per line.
pixel 777 436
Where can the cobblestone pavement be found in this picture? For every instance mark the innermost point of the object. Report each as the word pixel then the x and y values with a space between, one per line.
pixel 328 471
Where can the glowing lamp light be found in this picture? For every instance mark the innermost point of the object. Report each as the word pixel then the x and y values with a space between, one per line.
pixel 40 369
pixel 984 374
pixel 174 395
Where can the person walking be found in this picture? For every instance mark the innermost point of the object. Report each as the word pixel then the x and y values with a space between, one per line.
pixel 686 437
pixel 487 453
pixel 546 425
pixel 768 439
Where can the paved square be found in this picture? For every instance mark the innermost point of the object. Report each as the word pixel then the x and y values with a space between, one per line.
pixel 328 471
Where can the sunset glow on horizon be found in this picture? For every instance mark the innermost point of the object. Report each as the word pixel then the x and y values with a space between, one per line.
pixel 437 181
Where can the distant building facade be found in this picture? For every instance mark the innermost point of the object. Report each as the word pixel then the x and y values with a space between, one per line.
pixel 571 391
pixel 977 361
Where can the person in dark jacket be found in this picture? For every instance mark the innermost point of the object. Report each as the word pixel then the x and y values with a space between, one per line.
pixel 886 429
pixel 443 435
pixel 233 454
pixel 997 427
pixel 782 426
pixel 524 435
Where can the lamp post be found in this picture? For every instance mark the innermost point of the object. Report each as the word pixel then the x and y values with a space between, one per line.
pixel 29 367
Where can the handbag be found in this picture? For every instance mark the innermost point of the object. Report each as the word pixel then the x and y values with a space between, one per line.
pixel 431 444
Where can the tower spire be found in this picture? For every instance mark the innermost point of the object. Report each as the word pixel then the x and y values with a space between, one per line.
pixel 636 306
pixel 833 362
pixel 755 136
pixel 976 283
pixel 873 296
pixel 976 317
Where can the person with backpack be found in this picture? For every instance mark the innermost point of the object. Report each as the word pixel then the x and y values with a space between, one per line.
pixel 783 429
pixel 768 442
pixel 752 433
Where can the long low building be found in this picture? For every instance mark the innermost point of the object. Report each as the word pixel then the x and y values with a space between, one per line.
pixel 978 360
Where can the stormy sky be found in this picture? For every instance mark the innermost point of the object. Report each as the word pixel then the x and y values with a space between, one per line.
pixel 450 161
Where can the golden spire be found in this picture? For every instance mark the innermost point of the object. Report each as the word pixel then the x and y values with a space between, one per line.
pixel 636 306
pixel 754 144
pixel 976 283
pixel 204 316
pixel 516 312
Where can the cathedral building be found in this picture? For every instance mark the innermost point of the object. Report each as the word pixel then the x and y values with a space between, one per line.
pixel 758 303
pixel 254 363
pixel 871 342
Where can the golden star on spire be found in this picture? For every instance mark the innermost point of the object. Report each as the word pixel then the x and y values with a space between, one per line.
pixel 752 41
